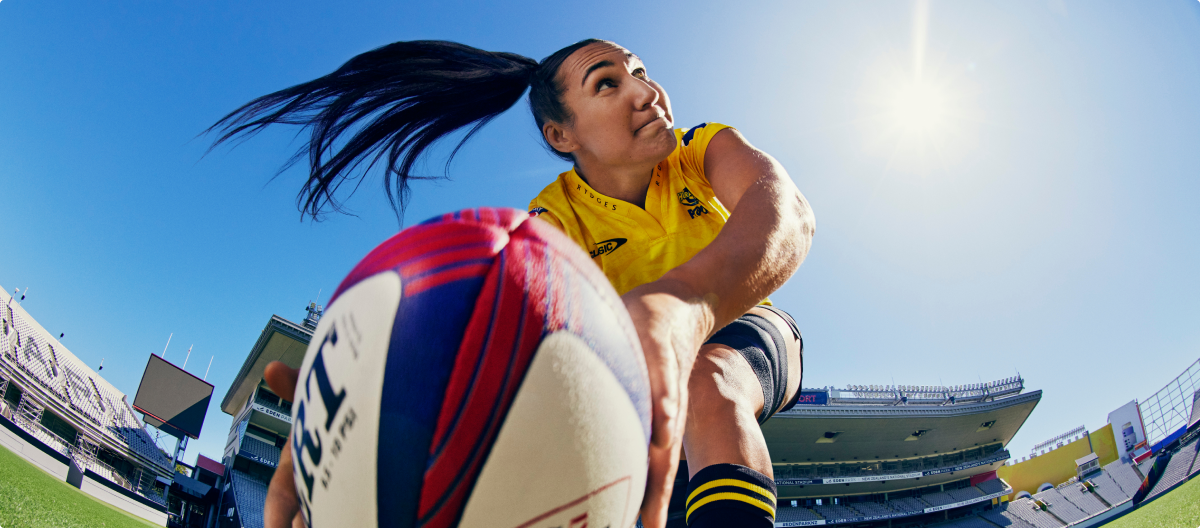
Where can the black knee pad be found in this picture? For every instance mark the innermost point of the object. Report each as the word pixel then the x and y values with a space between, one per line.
pixel 760 342
pixel 725 495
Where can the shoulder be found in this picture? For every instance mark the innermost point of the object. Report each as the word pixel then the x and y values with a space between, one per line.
pixel 552 202
pixel 694 142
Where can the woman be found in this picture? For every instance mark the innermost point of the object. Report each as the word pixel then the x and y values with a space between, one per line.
pixel 708 226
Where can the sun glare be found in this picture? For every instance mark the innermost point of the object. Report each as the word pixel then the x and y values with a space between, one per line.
pixel 919 108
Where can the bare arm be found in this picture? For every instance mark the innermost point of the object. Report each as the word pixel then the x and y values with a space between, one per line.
pixel 766 238
pixel 763 243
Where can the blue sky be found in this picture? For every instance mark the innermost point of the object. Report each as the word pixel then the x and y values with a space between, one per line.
pixel 999 188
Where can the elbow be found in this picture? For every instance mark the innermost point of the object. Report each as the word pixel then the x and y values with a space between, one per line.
pixel 804 226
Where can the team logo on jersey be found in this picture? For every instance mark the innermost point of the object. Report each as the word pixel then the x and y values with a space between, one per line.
pixel 687 198
pixel 605 247
pixel 687 137
pixel 537 211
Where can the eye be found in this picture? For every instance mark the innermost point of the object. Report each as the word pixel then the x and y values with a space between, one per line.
pixel 640 73
pixel 605 83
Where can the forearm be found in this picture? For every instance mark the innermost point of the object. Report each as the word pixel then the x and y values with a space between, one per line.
pixel 761 246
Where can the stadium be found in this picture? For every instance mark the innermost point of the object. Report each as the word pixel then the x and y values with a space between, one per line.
pixel 859 456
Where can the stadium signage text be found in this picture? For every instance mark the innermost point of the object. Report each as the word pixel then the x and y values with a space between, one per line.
pixel 813 398
pixel 966 502
pixel 1002 455
pixel 871 478
pixel 272 413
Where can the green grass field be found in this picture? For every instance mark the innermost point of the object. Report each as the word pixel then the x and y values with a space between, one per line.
pixel 29 497
pixel 1178 509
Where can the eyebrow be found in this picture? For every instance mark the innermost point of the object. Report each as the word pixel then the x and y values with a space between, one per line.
pixel 594 67
pixel 604 64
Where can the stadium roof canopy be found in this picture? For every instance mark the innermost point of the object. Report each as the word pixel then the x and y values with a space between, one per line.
pixel 281 340
pixel 891 433
pixel 840 434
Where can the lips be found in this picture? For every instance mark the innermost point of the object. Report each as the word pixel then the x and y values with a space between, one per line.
pixel 644 125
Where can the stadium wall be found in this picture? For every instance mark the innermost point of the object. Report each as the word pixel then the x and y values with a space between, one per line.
pixel 1058 465
pixel 24 445
pixel 121 498
pixel 1104 444
pixel 1054 467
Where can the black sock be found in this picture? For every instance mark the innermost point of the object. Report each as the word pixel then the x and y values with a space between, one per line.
pixel 729 495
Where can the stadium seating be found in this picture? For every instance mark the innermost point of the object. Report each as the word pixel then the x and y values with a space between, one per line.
pixel 1176 471
pixel 1060 506
pixel 871 508
pixel 1107 488
pixel 1125 476
pixel 836 512
pixel 790 514
pixel 1001 517
pixel 262 451
pixel 908 504
pixel 1027 511
pixel 250 494
pixel 1080 497
pixel 989 487
pixel 53 375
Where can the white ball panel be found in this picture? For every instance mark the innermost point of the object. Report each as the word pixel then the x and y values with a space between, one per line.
pixel 571 449
pixel 343 486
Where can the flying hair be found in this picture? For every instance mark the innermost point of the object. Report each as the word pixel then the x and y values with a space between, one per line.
pixel 391 104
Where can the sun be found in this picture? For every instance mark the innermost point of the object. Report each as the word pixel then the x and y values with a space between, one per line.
pixel 919 108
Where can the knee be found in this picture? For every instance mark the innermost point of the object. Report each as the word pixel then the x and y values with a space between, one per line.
pixel 722 382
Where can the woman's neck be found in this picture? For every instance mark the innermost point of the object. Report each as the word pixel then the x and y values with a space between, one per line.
pixel 628 184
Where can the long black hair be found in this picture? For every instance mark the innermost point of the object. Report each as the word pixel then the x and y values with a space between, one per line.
pixel 394 102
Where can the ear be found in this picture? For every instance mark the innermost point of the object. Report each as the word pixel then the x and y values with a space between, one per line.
pixel 559 137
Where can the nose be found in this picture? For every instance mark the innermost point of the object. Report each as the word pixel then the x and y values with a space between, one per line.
pixel 645 96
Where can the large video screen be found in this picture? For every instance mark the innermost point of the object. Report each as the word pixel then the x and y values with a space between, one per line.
pixel 172 398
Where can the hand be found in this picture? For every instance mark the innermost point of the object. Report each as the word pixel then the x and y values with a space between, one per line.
pixel 672 324
pixel 282 509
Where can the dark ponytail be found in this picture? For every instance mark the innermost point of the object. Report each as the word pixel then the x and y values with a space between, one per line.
pixel 396 101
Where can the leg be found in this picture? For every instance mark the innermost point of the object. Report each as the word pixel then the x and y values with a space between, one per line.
pixel 724 401
pixel 746 367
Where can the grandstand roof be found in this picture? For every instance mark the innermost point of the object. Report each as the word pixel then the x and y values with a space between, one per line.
pixel 281 340
pixel 862 432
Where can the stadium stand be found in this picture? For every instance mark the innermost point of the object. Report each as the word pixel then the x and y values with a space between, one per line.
pixel 1082 498
pixel 1060 506
pixel 264 452
pixel 908 504
pixel 989 487
pixel 51 378
pixel 1125 476
pixel 1029 512
pixel 836 512
pixel 1177 469
pixel 1000 517
pixel 251 494
pixel 792 514
pixel 1108 489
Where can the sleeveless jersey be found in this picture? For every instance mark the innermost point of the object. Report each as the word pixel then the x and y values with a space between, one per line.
pixel 634 246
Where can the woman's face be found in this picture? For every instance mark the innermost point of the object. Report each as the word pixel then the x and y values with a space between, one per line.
pixel 619 116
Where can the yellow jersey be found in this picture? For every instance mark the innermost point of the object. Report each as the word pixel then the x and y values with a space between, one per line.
pixel 634 246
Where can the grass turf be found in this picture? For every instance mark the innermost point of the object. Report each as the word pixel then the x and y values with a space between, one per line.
pixel 29 497
pixel 1178 509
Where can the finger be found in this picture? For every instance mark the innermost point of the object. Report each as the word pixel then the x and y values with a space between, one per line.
pixel 282 506
pixel 660 482
pixel 281 379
